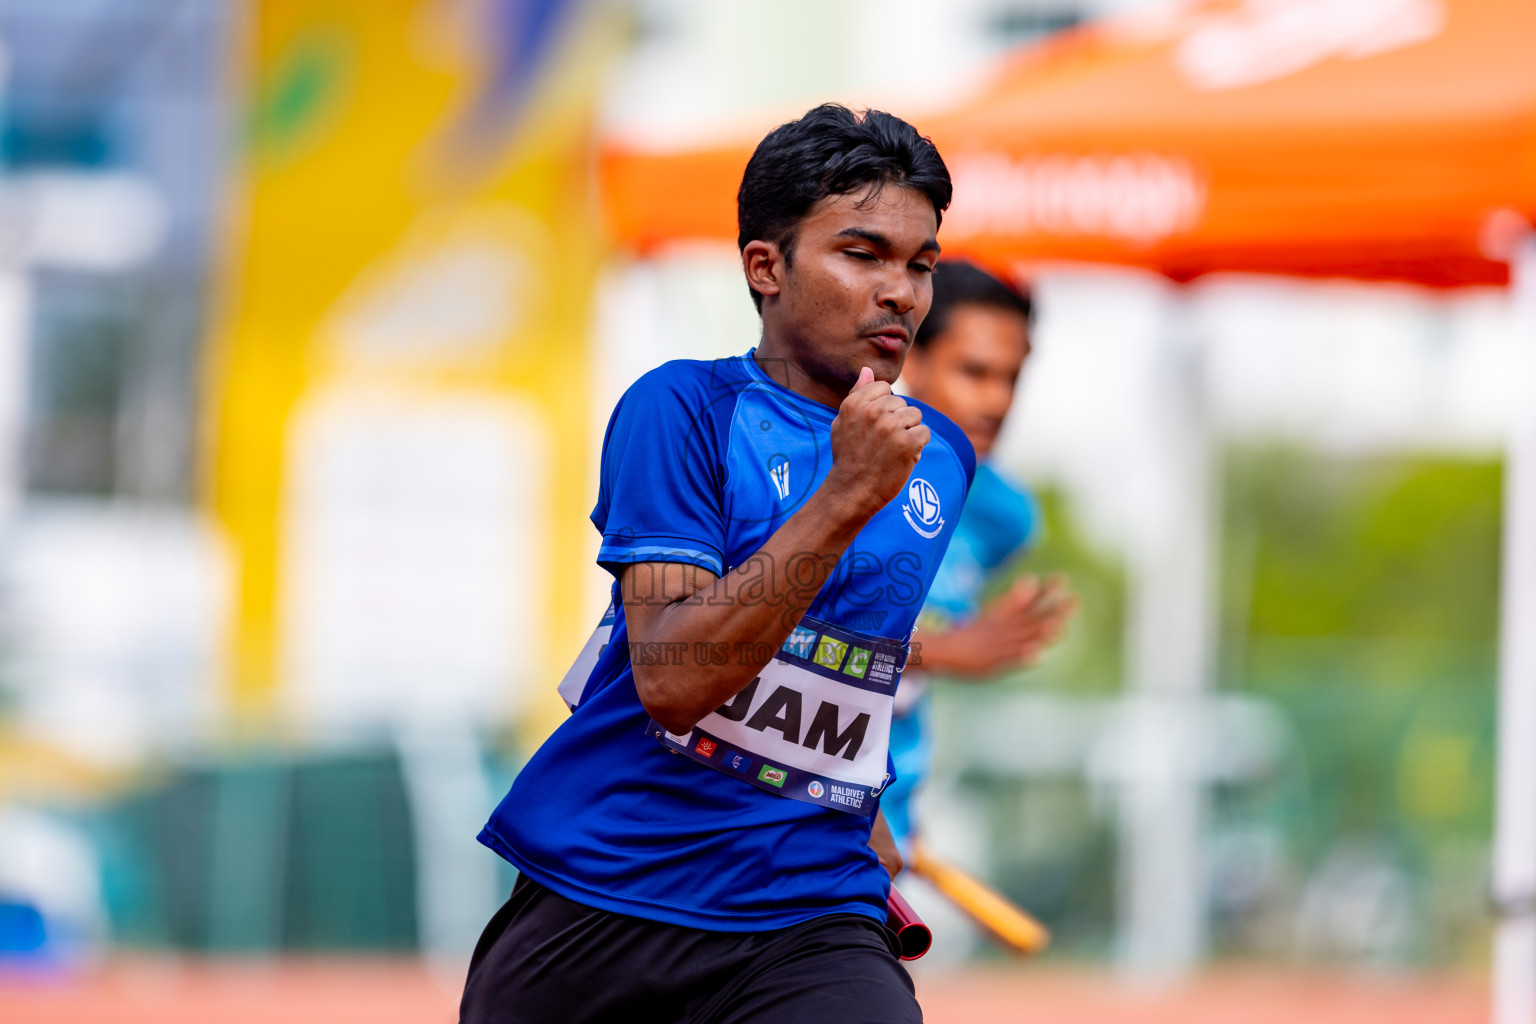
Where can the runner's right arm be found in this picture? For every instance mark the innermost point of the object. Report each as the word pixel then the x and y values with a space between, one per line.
pixel 876 440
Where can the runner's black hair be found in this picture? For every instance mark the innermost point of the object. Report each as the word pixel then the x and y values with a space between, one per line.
pixel 831 151
pixel 958 283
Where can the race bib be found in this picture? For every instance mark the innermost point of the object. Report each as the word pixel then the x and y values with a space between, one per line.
pixel 815 724
pixel 573 687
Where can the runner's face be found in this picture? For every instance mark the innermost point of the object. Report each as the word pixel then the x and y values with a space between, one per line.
pixel 969 372
pixel 860 282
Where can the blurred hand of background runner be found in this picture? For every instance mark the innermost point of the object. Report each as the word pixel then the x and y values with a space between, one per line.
pixel 1010 632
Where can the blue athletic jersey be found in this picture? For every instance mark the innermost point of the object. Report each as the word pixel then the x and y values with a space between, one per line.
pixel 702 463
pixel 999 521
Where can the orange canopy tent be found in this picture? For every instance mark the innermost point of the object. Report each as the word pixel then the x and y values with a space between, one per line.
pixel 1374 139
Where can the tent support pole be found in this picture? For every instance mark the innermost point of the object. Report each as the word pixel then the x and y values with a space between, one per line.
pixel 1514 850
pixel 1170 640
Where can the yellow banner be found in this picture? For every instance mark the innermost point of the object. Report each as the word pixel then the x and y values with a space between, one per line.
pixel 399 383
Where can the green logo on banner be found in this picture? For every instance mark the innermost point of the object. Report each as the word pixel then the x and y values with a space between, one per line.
pixel 858 663
pixel 829 653
pixel 773 776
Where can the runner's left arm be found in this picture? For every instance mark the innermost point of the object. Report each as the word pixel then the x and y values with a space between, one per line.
pixel 884 844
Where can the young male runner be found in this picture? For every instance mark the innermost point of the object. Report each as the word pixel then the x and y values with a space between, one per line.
pixel 695 840
pixel 965 363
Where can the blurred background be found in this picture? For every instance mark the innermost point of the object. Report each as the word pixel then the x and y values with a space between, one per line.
pixel 312 311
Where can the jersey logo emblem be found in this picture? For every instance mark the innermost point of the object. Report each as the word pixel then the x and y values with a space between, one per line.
pixel 779 472
pixel 922 508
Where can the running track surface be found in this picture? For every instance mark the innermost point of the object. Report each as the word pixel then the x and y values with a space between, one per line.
pixel 405 992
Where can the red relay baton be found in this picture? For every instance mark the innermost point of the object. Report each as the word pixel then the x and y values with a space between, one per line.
pixel 913 937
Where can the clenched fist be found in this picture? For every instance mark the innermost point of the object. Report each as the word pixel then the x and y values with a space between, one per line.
pixel 876 440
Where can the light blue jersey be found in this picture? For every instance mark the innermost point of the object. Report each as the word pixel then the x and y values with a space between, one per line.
pixel 760 817
pixel 1000 520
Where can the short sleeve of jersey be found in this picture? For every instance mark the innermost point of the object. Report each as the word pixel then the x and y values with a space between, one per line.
pixel 1003 517
pixel 661 493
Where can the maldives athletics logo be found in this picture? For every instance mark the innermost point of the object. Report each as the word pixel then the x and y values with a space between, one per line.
pixel 816 789
pixel 922 508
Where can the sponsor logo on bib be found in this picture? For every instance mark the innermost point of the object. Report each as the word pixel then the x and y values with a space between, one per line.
pixel 882 668
pixel 799 642
pixel 706 747
pixel 773 776
pixel 858 663
pixel 847 796
pixel 829 653
pixel 816 789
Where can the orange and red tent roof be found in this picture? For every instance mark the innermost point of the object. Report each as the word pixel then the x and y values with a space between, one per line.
pixel 1376 139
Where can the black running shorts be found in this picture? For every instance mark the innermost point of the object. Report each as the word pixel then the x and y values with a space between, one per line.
pixel 546 960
